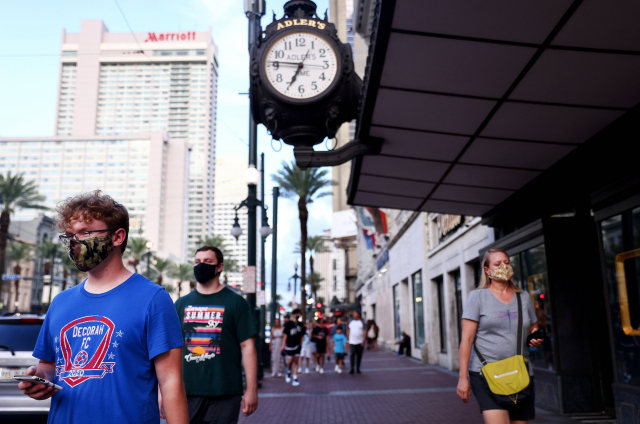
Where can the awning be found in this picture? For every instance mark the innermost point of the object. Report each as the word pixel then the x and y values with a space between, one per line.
pixel 475 99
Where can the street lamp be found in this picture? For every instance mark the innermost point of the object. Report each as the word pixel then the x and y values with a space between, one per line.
pixel 236 230
pixel 295 278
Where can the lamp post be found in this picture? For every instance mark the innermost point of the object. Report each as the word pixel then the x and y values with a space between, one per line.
pixel 148 255
pixel 295 278
pixel 274 256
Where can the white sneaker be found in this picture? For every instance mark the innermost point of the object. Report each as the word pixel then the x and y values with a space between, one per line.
pixel 306 370
pixel 317 368
pixel 288 379
pixel 295 382
pixel 339 370
pixel 279 374
pixel 335 368
pixel 321 370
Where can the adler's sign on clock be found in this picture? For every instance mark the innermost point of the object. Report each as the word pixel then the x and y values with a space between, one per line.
pixel 170 36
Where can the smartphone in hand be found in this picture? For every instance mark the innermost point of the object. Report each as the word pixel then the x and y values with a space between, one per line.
pixel 36 380
pixel 539 334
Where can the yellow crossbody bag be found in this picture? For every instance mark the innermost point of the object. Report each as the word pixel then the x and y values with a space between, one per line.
pixel 508 379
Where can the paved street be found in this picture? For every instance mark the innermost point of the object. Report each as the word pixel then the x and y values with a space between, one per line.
pixel 391 390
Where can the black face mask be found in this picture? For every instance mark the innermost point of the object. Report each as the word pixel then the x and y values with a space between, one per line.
pixel 205 272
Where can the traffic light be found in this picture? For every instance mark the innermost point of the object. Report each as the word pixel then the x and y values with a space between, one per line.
pixel 319 305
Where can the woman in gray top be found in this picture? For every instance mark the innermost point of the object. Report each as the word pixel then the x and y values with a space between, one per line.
pixel 490 318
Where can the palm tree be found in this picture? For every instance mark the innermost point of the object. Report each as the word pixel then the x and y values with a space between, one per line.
pixel 48 251
pixel 230 265
pixel 315 244
pixel 19 252
pixel 306 186
pixel 15 193
pixel 136 247
pixel 182 272
pixel 162 266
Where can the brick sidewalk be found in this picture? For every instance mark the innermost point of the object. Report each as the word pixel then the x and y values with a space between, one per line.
pixel 391 390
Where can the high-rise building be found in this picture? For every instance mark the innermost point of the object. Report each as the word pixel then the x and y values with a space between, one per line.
pixel 113 84
pixel 231 189
pixel 147 173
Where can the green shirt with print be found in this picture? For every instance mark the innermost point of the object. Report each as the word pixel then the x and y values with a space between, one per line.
pixel 213 326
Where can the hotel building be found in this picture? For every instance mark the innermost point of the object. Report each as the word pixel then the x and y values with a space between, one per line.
pixel 147 173
pixel 231 190
pixel 116 84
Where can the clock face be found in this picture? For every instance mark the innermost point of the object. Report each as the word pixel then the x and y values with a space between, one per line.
pixel 300 65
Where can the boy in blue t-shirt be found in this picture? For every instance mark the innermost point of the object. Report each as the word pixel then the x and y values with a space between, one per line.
pixel 113 340
pixel 339 345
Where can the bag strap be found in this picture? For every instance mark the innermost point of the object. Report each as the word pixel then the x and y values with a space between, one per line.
pixel 520 330
pixel 480 357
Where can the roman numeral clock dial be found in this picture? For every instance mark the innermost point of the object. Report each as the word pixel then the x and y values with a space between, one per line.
pixel 300 65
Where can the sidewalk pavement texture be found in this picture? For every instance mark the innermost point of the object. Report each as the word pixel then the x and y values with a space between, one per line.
pixel 390 390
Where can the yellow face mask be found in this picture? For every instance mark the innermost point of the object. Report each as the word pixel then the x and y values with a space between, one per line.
pixel 503 273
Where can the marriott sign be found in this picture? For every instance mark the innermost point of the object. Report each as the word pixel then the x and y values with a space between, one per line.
pixel 170 36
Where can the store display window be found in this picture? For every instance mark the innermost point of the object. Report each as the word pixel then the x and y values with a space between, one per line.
pixel 621 249
pixel 530 275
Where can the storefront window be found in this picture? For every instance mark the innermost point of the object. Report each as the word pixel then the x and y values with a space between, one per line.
pixel 530 275
pixel 621 247
pixel 458 282
pixel 441 315
pixel 397 329
pixel 535 281
pixel 418 309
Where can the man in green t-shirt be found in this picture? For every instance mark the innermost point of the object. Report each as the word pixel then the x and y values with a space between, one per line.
pixel 218 330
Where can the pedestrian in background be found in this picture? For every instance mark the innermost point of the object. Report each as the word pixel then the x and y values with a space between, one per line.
pixel 372 335
pixel 312 345
pixel 489 320
pixel 404 345
pixel 305 352
pixel 319 334
pixel 340 342
pixel 356 336
pixel 274 347
pixel 292 345
pixel 219 333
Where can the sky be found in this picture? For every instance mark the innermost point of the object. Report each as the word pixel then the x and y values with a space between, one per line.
pixel 31 31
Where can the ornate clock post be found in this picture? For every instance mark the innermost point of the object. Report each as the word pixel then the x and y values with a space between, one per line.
pixel 304 86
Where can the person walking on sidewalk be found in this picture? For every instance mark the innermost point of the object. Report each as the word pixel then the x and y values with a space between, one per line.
pixel 219 333
pixel 113 340
pixel 292 344
pixel 274 348
pixel 356 336
pixel 340 343
pixel 319 334
pixel 372 336
pixel 489 320
pixel 306 352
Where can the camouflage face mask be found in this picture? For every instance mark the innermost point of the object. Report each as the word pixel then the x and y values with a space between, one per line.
pixel 87 254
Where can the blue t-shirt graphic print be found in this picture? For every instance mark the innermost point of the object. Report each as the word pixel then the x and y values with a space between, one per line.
pixel 103 347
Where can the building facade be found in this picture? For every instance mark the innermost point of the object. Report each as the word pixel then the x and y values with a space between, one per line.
pixel 231 189
pixel 522 115
pixel 112 84
pixel 147 173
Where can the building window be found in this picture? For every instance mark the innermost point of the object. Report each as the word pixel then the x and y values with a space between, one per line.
pixel 620 241
pixel 397 329
pixel 418 309
pixel 457 280
pixel 530 275
pixel 442 319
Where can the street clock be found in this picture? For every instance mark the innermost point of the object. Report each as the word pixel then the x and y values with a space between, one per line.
pixel 303 82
